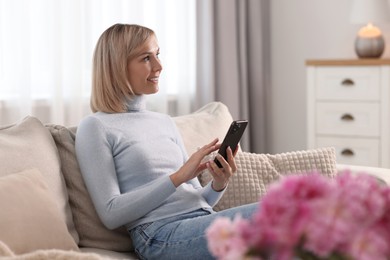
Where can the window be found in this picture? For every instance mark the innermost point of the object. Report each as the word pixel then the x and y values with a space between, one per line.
pixel 46 52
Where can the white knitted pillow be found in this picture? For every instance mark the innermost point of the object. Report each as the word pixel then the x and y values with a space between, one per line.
pixel 256 171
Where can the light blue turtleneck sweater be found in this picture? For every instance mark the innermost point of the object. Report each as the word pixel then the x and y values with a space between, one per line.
pixel 126 160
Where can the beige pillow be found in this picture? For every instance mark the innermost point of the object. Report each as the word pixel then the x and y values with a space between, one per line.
pixel 91 230
pixel 28 144
pixel 30 218
pixel 256 171
pixel 202 126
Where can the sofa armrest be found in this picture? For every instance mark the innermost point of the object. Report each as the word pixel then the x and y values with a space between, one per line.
pixel 381 173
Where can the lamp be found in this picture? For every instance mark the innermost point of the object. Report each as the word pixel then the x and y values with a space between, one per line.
pixel 369 41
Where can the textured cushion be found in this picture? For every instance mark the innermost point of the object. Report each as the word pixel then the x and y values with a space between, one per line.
pixel 257 171
pixel 91 230
pixel 30 218
pixel 28 144
pixel 202 126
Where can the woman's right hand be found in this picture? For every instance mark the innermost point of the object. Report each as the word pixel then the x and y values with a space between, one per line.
pixel 194 164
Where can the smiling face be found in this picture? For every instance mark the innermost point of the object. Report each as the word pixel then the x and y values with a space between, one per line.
pixel 144 68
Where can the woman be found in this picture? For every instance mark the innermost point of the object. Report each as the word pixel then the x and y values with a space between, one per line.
pixel 133 160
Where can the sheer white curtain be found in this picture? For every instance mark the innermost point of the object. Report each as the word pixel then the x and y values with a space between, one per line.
pixel 46 52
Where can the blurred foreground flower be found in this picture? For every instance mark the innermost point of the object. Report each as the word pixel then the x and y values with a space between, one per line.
pixel 311 217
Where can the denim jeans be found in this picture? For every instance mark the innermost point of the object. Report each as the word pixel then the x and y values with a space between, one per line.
pixel 182 236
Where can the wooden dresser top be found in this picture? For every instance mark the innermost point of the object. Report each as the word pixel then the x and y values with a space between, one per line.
pixel 348 62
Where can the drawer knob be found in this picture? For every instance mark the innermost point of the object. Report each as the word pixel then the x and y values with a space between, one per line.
pixel 347 82
pixel 347 152
pixel 347 117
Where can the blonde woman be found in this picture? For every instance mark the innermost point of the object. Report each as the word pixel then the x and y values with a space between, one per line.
pixel 133 160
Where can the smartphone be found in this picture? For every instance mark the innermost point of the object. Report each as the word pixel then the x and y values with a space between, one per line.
pixel 232 138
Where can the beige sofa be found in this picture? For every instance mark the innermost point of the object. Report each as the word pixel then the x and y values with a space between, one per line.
pixel 46 211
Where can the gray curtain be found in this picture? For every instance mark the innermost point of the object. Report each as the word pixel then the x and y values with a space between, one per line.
pixel 233 62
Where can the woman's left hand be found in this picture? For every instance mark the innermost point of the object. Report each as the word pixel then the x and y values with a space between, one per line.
pixel 222 175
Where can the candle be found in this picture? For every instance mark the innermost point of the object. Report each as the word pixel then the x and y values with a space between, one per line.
pixel 369 31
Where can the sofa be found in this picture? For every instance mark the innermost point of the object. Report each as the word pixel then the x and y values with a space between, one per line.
pixel 46 211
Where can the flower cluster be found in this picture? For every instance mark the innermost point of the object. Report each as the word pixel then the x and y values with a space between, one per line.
pixel 311 217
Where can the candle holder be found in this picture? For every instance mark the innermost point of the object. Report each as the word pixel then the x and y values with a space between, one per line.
pixel 369 42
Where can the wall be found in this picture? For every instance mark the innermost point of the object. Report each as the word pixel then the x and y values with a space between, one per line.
pixel 301 30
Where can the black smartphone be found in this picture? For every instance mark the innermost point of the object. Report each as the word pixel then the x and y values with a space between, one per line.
pixel 232 138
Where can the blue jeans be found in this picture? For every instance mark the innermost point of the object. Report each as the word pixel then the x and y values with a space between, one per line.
pixel 182 236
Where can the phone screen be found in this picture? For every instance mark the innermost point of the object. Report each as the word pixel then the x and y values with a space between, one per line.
pixel 232 138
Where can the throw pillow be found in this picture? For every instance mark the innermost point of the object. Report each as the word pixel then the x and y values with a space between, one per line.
pixel 257 171
pixel 91 230
pixel 28 144
pixel 202 126
pixel 30 218
pixel 5 250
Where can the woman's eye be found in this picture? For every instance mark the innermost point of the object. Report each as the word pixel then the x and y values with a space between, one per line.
pixel 158 55
pixel 147 58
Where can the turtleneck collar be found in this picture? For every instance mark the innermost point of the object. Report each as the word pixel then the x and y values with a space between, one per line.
pixel 136 103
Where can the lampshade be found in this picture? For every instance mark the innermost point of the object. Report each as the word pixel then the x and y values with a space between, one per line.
pixel 374 11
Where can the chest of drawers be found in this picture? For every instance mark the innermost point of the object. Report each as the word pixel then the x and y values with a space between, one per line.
pixel 348 107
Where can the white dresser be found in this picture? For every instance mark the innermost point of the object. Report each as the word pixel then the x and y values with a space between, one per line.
pixel 348 107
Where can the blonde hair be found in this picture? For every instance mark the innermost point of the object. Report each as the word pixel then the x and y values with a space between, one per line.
pixel 110 83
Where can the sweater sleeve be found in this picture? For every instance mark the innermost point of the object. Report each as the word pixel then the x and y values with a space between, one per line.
pixel 97 166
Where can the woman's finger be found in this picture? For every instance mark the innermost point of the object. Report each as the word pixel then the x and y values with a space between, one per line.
pixel 231 160
pixel 209 148
pixel 220 176
pixel 222 161
pixel 236 151
pixel 215 171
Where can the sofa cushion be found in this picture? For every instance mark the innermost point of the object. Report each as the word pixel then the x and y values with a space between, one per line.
pixel 58 254
pixel 202 126
pixel 91 230
pixel 257 171
pixel 28 144
pixel 30 218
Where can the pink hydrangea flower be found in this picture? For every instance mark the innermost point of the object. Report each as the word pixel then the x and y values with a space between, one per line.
pixel 355 203
pixel 225 238
pixel 369 243
pixel 348 216
pixel 284 209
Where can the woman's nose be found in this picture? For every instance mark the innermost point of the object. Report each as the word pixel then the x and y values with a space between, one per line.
pixel 157 66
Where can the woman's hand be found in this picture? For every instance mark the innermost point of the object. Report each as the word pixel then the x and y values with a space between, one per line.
pixel 222 175
pixel 193 166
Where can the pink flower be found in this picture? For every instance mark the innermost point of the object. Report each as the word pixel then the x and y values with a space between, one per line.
pixel 384 222
pixel 369 244
pixel 226 238
pixel 347 217
pixel 285 210
pixel 363 195
pixel 356 202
